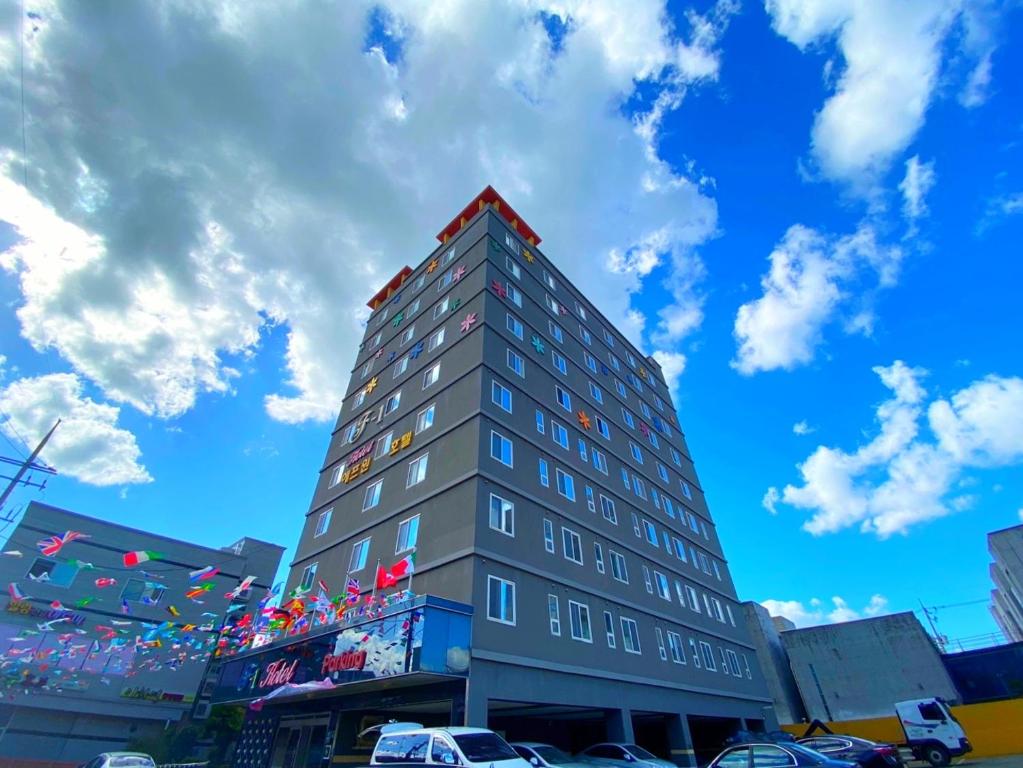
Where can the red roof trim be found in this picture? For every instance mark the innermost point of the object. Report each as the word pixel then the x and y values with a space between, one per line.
pixel 388 290
pixel 490 197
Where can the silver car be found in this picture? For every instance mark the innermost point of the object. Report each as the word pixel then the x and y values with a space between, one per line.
pixel 541 755
pixel 121 760
pixel 630 755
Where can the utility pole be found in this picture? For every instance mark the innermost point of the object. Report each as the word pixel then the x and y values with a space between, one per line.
pixel 937 636
pixel 25 466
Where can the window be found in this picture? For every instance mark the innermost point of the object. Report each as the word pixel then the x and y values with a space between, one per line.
pixel 436 339
pixel 603 428
pixel 731 618
pixel 400 367
pixel 516 364
pixel 662 472
pixel 549 280
pixel 384 444
pixel 695 653
pixel 548 535
pixel 627 418
pixel 630 636
pixel 579 618
pixel 444 281
pixel 420 281
pixel 323 522
pixel 512 267
pixel 510 242
pixel 441 307
pixel 669 507
pixel 651 533
pixel 745 664
pixel 720 614
pixel 582 450
pixel 637 454
pixel 675 647
pixel 545 479
pixel 556 332
pixel 765 756
pixel 441 753
pixel 500 448
pixel 638 486
pixel 596 394
pixel 566 484
pixel 376 340
pixel 686 490
pixel 647 581
pixel 360 555
pixel 580 310
pixel 708 656
pixel 412 309
pixel 608 338
pixel 635 526
pixel 372 497
pixel 56 574
pixel 676 457
pixel 559 434
pixel 360 398
pixel 408 534
pixel 660 644
pixel 620 389
pixel 631 359
pixel 383 315
pixel 590 361
pixel 571 545
pixel 692 599
pixel 589 499
pixel 598 556
pixel 559 362
pixel 658 402
pixel 663 589
pixel 449 255
pixel 609 629
pixel 733 662
pixel 425 418
pixel 501 396
pixel 618 569
pixel 308 574
pixel 367 368
pixel 563 398
pixel 502 515
pixel 679 547
pixel 655 497
pixel 514 325
pixel 514 295
pixel 335 475
pixel 554 614
pixel 652 437
pixel 607 507
pixel 599 461
pixel 704 563
pixel 552 305
pixel 679 593
pixel 417 470
pixel 500 600
pixel 407 335
pixel 431 376
pixel 393 402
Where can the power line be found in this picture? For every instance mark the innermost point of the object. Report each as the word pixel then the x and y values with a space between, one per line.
pixel 24 141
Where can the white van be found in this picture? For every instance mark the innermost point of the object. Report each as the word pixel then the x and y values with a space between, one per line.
pixel 410 744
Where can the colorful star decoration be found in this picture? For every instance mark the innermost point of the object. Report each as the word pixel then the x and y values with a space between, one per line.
pixel 431 266
pixel 397 319
pixel 537 344
pixel 498 288
pixel 642 372
pixel 391 356
pixel 455 304
pixel 371 385
pixel 644 429
pixel 416 351
pixel 584 420
pixel 379 352
pixel 396 299
pixel 458 273
pixel 468 322
pixel 564 309
pixel 528 255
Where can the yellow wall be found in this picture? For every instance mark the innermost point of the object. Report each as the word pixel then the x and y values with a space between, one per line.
pixel 993 728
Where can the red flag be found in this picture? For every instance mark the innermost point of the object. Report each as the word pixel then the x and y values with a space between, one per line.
pixel 388 577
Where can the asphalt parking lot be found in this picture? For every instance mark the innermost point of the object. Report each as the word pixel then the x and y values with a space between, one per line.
pixel 1010 761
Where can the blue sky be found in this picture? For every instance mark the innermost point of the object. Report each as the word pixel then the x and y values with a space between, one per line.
pixel 810 211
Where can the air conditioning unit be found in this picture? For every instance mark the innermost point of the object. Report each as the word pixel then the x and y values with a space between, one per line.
pixel 202 710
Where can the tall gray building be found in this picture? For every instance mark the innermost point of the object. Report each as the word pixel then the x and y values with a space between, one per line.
pixel 1006 548
pixel 497 425
pixel 73 682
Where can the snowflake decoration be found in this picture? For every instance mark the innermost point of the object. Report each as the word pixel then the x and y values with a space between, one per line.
pixel 431 266
pixel 458 273
pixel 468 322
pixel 537 344
pixel 371 385
pixel 584 420
pixel 498 288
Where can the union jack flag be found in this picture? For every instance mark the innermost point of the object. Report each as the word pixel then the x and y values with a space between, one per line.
pixel 52 545
pixel 353 590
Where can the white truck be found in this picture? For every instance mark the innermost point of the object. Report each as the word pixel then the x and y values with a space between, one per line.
pixel 410 745
pixel 931 731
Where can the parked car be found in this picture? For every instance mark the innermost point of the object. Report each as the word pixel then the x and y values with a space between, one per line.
pixel 545 756
pixel 410 745
pixel 121 760
pixel 631 755
pixel 866 753
pixel 774 755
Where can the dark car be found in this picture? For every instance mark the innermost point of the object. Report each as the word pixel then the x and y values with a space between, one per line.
pixel 765 755
pixel 868 754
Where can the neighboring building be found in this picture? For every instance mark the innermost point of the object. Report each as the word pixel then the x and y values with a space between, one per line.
pixel 1006 548
pixel 500 427
pixel 859 669
pixel 987 674
pixel 774 661
pixel 106 698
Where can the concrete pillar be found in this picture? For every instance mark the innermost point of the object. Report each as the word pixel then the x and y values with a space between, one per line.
pixel 477 706
pixel 680 741
pixel 619 726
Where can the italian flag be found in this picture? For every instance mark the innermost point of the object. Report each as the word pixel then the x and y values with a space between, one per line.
pixel 388 577
pixel 141 556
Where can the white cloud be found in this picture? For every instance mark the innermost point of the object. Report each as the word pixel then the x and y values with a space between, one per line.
pixel 168 229
pixel 88 445
pixel 999 208
pixel 672 365
pixel 901 478
pixel 915 185
pixel 809 282
pixel 802 428
pixel 891 54
pixel 1020 513
pixel 770 500
pixel 814 613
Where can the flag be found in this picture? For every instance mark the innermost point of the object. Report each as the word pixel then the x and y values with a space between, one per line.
pixel 52 544
pixel 203 573
pixel 388 577
pixel 242 586
pixel 105 582
pixel 15 592
pixel 353 590
pixel 173 611
pixel 141 556
pixel 323 586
